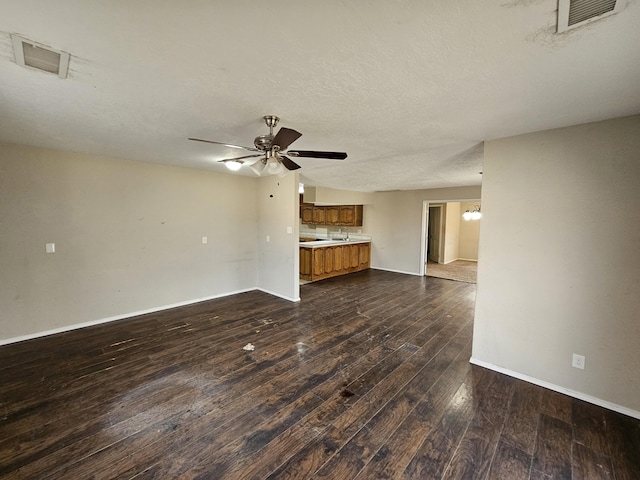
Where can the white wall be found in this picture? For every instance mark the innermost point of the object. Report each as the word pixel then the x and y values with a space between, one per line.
pixel 451 231
pixel 128 237
pixel 279 264
pixel 395 222
pixel 565 277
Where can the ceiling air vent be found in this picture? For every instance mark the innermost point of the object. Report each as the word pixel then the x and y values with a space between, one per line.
pixel 573 13
pixel 35 55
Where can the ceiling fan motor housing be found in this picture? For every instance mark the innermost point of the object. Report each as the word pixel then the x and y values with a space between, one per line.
pixel 263 142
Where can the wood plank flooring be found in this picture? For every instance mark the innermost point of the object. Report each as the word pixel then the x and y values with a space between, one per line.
pixel 367 377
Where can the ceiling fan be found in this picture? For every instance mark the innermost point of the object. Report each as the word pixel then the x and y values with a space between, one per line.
pixel 272 149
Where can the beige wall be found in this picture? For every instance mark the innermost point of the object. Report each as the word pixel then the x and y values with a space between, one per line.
pixel 395 222
pixel 565 278
pixel 332 196
pixel 128 238
pixel 451 231
pixel 469 234
pixel 279 257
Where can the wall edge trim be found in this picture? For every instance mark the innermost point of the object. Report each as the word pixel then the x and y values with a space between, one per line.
pixel 75 326
pixel 397 271
pixel 291 299
pixel 557 388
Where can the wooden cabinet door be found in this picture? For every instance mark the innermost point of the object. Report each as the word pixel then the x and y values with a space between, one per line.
pixel 351 215
pixel 318 261
pixel 357 212
pixel 347 215
pixel 306 213
pixel 328 259
pixel 354 256
pixel 319 216
pixel 305 261
pixel 364 253
pixel 332 215
pixel 346 257
pixel 337 258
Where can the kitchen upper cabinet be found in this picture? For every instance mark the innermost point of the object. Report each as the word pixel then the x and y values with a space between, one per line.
pixel 332 215
pixel 306 213
pixel 319 216
pixel 341 215
pixel 351 215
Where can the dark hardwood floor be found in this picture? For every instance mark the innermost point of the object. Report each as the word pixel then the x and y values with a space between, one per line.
pixel 367 377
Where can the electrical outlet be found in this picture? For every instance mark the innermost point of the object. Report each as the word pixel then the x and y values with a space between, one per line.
pixel 578 361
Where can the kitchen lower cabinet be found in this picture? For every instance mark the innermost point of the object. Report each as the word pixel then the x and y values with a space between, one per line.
pixel 325 262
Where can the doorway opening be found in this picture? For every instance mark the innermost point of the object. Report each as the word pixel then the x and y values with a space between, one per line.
pixel 435 232
pixel 450 243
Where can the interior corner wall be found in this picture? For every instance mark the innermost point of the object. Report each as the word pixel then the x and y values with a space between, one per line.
pixel 451 231
pixel 278 236
pixel 565 277
pixel 394 221
pixel 128 238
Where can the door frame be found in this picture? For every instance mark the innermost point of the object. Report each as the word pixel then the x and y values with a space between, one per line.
pixel 425 225
pixel 440 231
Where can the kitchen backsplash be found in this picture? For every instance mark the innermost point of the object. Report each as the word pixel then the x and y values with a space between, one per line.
pixel 355 233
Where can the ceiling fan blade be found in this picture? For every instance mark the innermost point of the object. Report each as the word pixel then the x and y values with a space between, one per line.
pixel 251 149
pixel 241 158
pixel 285 137
pixel 288 163
pixel 314 154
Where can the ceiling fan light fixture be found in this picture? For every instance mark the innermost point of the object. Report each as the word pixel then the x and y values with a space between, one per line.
pixel 273 165
pixel 233 165
pixel 258 167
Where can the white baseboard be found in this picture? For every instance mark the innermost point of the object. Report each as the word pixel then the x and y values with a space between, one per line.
pixel 291 299
pixel 556 388
pixel 75 326
pixel 463 259
pixel 396 271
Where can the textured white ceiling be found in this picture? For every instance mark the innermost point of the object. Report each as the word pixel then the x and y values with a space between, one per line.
pixel 410 89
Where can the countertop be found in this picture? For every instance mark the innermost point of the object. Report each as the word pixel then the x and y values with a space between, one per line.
pixel 331 243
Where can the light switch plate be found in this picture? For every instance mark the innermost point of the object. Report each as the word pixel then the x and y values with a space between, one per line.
pixel 50 247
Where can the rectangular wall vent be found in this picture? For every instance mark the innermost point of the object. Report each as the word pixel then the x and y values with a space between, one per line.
pixel 573 13
pixel 32 54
